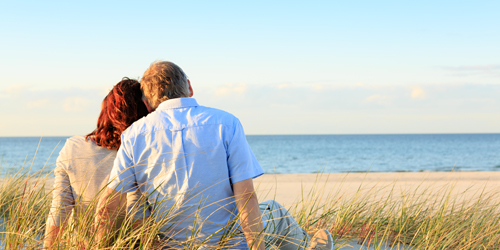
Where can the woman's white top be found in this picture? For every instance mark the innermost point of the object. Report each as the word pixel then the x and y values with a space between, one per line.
pixel 81 174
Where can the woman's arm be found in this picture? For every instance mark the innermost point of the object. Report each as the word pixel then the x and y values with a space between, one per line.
pixel 110 212
pixel 51 232
pixel 61 207
pixel 250 217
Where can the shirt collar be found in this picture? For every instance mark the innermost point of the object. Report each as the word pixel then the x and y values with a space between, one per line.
pixel 177 103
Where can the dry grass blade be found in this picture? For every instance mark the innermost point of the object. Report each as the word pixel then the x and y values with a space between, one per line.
pixel 379 217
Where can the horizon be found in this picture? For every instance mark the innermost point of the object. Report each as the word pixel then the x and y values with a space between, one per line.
pixel 486 133
pixel 280 67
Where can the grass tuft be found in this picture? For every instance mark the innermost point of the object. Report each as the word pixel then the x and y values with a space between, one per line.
pixel 423 218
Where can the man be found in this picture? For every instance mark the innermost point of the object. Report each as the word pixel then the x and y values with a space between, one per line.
pixel 192 162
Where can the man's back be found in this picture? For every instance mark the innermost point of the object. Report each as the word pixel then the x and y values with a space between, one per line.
pixel 185 157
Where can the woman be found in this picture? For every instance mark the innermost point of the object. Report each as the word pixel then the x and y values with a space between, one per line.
pixel 84 163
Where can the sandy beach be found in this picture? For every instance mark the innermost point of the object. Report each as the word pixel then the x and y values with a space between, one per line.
pixel 291 189
pixel 287 188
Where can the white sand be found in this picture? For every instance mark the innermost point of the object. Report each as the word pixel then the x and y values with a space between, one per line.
pixel 287 188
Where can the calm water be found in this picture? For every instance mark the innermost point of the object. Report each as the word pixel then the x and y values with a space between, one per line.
pixel 30 152
pixel 377 153
pixel 313 153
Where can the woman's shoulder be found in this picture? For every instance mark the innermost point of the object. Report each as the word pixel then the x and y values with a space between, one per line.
pixel 76 139
pixel 78 142
pixel 85 144
pixel 79 148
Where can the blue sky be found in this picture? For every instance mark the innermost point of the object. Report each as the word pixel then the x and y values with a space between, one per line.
pixel 286 67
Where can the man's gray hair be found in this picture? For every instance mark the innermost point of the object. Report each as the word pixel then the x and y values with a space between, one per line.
pixel 164 80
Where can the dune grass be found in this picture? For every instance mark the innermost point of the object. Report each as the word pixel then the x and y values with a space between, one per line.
pixel 424 218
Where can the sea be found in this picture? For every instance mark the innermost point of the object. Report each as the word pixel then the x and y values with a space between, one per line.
pixel 284 154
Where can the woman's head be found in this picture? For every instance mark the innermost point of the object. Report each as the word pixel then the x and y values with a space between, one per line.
pixel 120 108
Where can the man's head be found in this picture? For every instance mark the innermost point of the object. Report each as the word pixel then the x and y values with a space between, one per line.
pixel 164 80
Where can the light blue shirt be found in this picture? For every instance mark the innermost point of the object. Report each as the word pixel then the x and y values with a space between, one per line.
pixel 185 157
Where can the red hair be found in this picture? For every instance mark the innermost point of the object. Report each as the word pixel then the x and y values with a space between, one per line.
pixel 120 108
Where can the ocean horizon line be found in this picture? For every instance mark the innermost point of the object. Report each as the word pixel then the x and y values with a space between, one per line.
pixel 437 133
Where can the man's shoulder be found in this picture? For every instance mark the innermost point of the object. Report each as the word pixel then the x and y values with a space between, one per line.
pixel 213 116
pixel 219 114
pixel 135 128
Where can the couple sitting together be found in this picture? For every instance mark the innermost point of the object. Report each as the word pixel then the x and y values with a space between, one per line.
pixel 156 152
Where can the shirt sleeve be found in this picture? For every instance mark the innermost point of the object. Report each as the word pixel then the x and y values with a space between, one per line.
pixel 241 161
pixel 122 177
pixel 62 195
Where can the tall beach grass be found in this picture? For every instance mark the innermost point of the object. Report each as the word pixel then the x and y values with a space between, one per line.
pixel 381 218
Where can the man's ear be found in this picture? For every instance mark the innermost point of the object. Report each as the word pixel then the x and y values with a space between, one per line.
pixel 150 109
pixel 190 89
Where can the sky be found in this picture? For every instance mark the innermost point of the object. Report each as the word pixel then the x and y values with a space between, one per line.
pixel 281 67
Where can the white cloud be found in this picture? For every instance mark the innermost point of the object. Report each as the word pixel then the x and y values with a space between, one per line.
pixel 103 91
pixel 75 104
pixel 317 86
pixel 417 93
pixel 13 90
pixel 487 68
pixel 284 86
pixel 37 103
pixel 492 70
pixel 379 99
pixel 230 89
